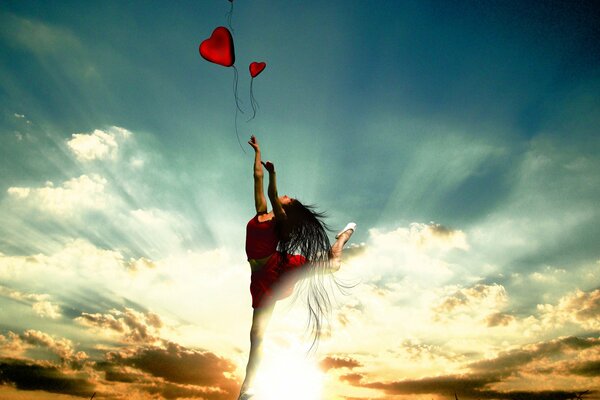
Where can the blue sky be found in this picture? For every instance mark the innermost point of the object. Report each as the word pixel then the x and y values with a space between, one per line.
pixel 461 137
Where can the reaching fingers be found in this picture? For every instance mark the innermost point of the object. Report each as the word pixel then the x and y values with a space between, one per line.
pixel 253 142
pixel 269 166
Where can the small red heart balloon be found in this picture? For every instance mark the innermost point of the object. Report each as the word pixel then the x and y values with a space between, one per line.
pixel 256 68
pixel 218 48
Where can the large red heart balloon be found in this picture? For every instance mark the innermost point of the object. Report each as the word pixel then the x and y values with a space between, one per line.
pixel 218 48
pixel 256 68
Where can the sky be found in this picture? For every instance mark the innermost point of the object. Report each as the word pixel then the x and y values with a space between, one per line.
pixel 461 137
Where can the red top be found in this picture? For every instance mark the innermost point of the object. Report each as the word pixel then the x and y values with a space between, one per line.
pixel 261 238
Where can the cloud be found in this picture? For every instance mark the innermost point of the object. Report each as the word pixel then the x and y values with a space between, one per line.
pixel 417 252
pixel 499 319
pixel 12 345
pixel 87 192
pixel 440 384
pixel 28 375
pixel 579 307
pixel 335 362
pixel 134 326
pixel 77 263
pixel 519 367
pixel 98 145
pixel 61 347
pixel 430 236
pixel 473 299
pixel 507 361
pixel 588 368
pixel 167 370
pixel 174 391
pixel 39 302
pixel 140 264
pixel 465 386
pixel 178 365
pixel 353 379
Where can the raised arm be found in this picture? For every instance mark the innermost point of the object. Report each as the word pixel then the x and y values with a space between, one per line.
pixel 259 198
pixel 272 192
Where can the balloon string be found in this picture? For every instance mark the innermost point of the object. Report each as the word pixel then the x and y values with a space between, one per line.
pixel 253 101
pixel 236 131
pixel 235 91
pixel 237 106
pixel 229 15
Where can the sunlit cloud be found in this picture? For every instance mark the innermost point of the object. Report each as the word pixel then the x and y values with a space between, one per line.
pixel 59 346
pixel 485 378
pixel 578 307
pixel 12 345
pixel 71 197
pixel 335 362
pixel 131 325
pixel 476 299
pixel 97 145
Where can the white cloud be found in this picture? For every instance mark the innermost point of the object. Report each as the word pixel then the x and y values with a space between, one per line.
pixel 39 302
pixel 417 253
pixel 98 145
pixel 46 309
pixel 74 195
pixel 192 286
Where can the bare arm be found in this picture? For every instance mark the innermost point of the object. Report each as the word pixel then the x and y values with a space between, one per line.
pixel 272 192
pixel 259 198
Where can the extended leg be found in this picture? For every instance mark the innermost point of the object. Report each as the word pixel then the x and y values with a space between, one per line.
pixel 260 320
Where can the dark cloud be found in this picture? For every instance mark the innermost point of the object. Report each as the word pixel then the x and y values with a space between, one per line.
pixel 499 319
pixel 118 373
pixel 513 359
pixel 588 368
pixel 361 398
pixel 439 384
pixel 492 371
pixel 31 376
pixel 464 386
pixel 353 379
pixel 175 364
pixel 175 391
pixel 332 362
pixel 441 230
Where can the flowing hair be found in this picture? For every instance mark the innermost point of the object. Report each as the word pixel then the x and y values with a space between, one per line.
pixel 306 234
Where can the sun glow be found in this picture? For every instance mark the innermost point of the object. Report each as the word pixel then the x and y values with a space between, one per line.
pixel 289 374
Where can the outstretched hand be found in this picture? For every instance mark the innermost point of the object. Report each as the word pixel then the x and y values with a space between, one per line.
pixel 254 143
pixel 269 166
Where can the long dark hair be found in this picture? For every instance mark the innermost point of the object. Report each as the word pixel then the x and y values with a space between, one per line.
pixel 305 232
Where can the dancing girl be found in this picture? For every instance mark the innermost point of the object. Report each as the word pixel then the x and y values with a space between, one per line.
pixel 284 245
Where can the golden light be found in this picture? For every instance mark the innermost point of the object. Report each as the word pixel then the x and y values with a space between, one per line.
pixel 288 374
